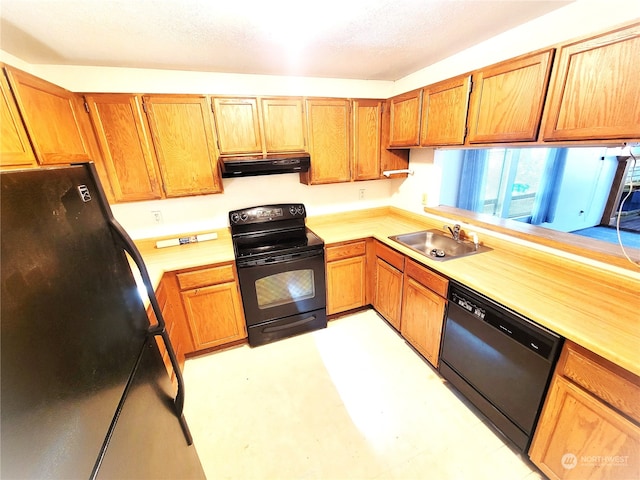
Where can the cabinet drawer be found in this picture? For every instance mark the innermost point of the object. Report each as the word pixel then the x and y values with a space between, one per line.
pixel 610 383
pixel 348 250
pixel 429 279
pixel 390 256
pixel 206 276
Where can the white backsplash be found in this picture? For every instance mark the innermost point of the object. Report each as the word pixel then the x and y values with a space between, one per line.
pixel 210 212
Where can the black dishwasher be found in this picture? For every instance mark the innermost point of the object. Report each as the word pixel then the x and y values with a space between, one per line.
pixel 499 360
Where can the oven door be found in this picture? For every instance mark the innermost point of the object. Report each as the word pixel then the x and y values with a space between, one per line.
pixel 282 286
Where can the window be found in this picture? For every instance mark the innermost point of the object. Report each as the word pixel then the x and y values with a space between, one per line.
pixel 513 180
pixel 521 184
pixel 575 190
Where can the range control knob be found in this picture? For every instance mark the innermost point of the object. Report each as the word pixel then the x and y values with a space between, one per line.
pixel 243 216
pixel 292 209
pixel 235 217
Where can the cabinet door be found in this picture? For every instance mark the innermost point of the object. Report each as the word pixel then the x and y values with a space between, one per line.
pixel 366 139
pixel 390 159
pixel 161 297
pixel 405 119
pixel 507 99
pixel 579 437
pixel 214 314
pixel 15 149
pixel 237 125
pixel 53 119
pixel 388 292
pixel 444 112
pixel 422 319
pixel 183 139
pixel 125 142
pixel 284 125
pixel 596 89
pixel 328 132
pixel 346 284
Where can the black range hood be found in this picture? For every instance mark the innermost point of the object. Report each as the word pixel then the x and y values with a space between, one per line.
pixel 270 164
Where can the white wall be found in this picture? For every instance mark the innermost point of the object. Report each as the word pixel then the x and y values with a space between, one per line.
pixel 584 190
pixel 207 212
pixel 583 17
pixel 126 80
pixel 423 187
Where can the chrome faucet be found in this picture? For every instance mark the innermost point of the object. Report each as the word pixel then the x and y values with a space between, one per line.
pixel 455 233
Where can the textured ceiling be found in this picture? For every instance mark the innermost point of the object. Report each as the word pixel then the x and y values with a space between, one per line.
pixel 361 39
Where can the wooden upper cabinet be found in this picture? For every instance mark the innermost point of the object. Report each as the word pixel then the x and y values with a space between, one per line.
pixel 125 142
pixel 15 149
pixel 390 159
pixel 284 125
pixel 444 112
pixel 53 117
pixel 328 124
pixel 237 125
pixel 182 133
pixel 596 88
pixel 367 117
pixel 260 125
pixel 507 99
pixel 405 119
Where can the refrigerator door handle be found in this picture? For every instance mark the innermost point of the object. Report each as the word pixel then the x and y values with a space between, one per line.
pixel 156 330
pixel 159 329
pixel 179 400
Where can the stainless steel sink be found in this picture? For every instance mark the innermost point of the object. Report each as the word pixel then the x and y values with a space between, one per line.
pixel 438 245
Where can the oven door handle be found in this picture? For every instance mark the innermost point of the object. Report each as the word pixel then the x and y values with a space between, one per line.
pixel 275 259
pixel 277 328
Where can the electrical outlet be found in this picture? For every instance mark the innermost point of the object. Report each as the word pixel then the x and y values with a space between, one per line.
pixel 361 194
pixel 157 216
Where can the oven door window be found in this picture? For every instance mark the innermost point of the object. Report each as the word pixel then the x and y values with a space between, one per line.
pixel 284 288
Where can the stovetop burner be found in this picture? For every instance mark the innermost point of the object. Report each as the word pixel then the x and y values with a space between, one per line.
pixel 276 243
pixel 271 230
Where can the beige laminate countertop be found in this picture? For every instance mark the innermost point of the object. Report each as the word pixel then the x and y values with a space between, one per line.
pixel 595 307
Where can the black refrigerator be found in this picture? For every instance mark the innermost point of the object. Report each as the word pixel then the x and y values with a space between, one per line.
pixel 84 391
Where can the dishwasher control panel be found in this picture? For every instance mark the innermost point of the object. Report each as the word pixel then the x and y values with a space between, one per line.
pixel 468 305
pixel 510 323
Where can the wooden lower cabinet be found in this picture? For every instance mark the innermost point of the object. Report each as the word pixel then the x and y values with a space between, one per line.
pixel 411 298
pixel 422 311
pixel 346 276
pixel 589 426
pixel 212 305
pixel 387 298
pixel 170 305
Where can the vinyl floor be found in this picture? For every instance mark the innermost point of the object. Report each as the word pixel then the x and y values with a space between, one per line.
pixel 352 401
